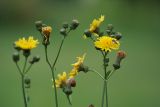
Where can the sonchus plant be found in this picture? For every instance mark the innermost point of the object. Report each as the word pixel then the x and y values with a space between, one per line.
pixel 45 32
pixel 105 42
pixel 25 46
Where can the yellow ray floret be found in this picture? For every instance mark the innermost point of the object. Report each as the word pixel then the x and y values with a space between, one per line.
pixel 106 43
pixel 96 23
pixel 61 80
pixel 27 44
pixel 76 66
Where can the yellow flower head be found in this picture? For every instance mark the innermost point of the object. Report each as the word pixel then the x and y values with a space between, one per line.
pixel 106 43
pixel 96 23
pixel 47 30
pixel 61 80
pixel 26 44
pixel 76 66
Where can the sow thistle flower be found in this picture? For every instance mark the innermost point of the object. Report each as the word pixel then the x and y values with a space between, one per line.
pixel 26 44
pixel 78 66
pixel 95 24
pixel 106 43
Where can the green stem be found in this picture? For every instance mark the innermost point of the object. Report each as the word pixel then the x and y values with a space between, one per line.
pixel 28 69
pixel 24 67
pixel 97 73
pixel 60 48
pixel 23 91
pixel 53 76
pixel 104 92
pixel 69 100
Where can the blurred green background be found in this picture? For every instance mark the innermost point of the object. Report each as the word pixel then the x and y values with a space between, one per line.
pixel 136 84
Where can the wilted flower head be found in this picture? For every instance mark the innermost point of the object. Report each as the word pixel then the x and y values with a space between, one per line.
pixel 47 30
pixel 106 43
pixel 120 55
pixel 26 44
pixel 96 23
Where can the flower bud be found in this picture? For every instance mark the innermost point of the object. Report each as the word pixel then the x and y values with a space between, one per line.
pixel 34 59
pixel 74 24
pixel 38 25
pixel 27 82
pixel 15 57
pixel 120 55
pixel 16 48
pixel 118 35
pixel 67 90
pixel 71 82
pixel 63 31
pixel 26 53
pixel 65 25
pixel 87 33
pixel 83 68
pixel 91 105
pixel 110 27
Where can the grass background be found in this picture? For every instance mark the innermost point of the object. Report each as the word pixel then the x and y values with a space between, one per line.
pixel 136 84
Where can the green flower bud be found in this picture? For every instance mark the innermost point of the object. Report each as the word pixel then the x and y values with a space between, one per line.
pixel 67 90
pixel 74 24
pixel 83 68
pixel 34 59
pixel 91 105
pixel 26 53
pixel 110 27
pixel 63 31
pixel 65 25
pixel 27 82
pixel 118 35
pixel 15 57
pixel 38 25
pixel 87 33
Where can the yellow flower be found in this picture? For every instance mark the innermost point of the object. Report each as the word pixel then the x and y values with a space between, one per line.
pixel 61 80
pixel 96 23
pixel 26 44
pixel 76 66
pixel 73 73
pixel 106 43
pixel 47 30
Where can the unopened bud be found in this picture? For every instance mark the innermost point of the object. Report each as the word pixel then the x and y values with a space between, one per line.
pixel 26 53
pixel 34 59
pixel 65 25
pixel 120 55
pixel 74 24
pixel 27 82
pixel 38 25
pixel 67 90
pixel 15 57
pixel 118 35
pixel 83 68
pixel 87 33
pixel 110 27
pixel 91 105
pixel 63 31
